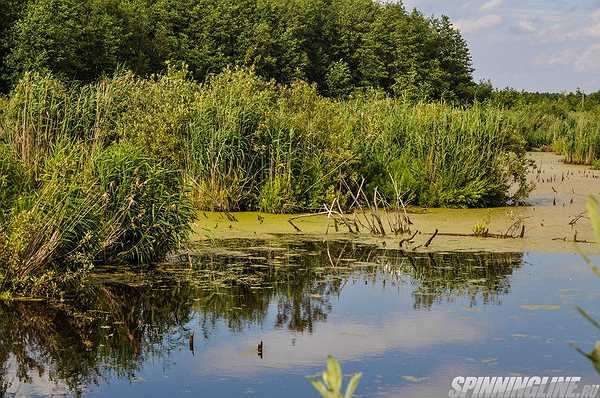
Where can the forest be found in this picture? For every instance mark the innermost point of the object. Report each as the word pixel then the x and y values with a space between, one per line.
pixel 341 46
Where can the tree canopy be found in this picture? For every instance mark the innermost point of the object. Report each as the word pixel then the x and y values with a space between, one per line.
pixel 339 45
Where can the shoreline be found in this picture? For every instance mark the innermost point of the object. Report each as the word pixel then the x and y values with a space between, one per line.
pixel 547 218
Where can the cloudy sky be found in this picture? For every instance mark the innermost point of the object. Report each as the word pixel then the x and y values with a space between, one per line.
pixel 539 45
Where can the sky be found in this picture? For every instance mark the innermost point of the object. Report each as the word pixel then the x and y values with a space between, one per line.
pixel 535 45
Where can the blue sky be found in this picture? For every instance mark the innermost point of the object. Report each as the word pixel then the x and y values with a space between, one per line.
pixel 539 45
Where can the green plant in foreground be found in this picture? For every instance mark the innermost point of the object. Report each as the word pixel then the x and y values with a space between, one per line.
pixel 594 355
pixel 330 385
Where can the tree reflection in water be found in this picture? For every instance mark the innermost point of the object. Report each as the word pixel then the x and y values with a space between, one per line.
pixel 124 319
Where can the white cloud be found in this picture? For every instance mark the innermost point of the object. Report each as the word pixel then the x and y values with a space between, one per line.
pixel 589 60
pixel 582 60
pixel 592 30
pixel 40 383
pixel 564 57
pixel 490 5
pixel 476 25
pixel 526 26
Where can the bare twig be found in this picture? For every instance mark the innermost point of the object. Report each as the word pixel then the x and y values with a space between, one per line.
pixel 408 240
pixel 431 238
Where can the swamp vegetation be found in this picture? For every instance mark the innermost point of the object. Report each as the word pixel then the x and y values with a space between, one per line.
pixel 114 171
pixel 124 122
pixel 117 126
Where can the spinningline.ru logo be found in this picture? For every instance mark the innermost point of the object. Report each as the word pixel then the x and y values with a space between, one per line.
pixel 522 387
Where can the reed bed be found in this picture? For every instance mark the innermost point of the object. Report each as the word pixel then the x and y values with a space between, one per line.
pixel 580 139
pixel 113 171
pixel 573 134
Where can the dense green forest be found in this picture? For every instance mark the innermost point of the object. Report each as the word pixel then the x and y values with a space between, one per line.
pixel 338 45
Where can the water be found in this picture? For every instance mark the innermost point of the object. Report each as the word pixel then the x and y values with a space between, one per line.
pixel 409 322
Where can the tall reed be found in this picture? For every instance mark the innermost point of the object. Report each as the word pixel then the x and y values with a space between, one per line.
pixel 103 170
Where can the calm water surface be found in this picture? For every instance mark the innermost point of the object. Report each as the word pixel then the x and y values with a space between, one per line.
pixel 409 322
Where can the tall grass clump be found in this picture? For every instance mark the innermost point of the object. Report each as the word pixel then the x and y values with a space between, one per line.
pixel 145 205
pixel 580 139
pixel 41 111
pixel 539 125
pixel 253 145
pixel 308 155
pixel 78 193
pixel 594 355
pixel 120 206
pixel 11 179
pixel 225 154
pixel 438 155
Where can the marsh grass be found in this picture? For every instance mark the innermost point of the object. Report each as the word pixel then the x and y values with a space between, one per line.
pixel 573 134
pixel 77 191
pixel 581 141
pixel 106 172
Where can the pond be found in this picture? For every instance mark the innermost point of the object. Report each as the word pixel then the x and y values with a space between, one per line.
pixel 410 322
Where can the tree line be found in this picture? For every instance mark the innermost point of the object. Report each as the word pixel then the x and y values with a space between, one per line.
pixel 339 45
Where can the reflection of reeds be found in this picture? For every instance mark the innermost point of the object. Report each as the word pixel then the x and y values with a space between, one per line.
pixel 126 318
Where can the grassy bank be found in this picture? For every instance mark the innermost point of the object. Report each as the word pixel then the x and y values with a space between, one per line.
pixel 575 134
pixel 112 171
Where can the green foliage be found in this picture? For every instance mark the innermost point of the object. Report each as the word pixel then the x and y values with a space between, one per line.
pixel 444 156
pixel 565 123
pixel 225 146
pixel 288 149
pixel 51 235
pixel 73 39
pixel 100 172
pixel 72 194
pixel 482 227
pixel 155 113
pixel 119 206
pixel 11 179
pixel 145 205
pixel 339 46
pixel 339 80
pixel 330 386
pixel 12 11
pixel 594 214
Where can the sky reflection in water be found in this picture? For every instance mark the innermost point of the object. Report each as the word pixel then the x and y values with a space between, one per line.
pixel 410 324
